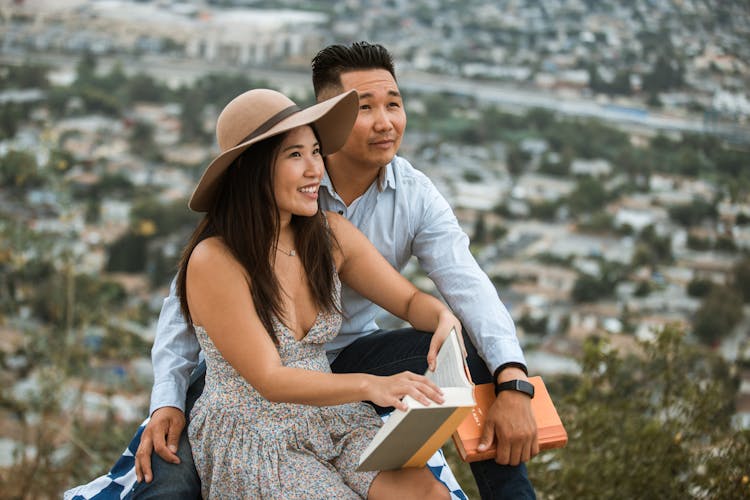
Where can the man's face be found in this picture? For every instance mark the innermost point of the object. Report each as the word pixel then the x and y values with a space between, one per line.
pixel 377 133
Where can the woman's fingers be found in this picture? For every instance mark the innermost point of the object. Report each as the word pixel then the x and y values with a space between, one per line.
pixel 421 389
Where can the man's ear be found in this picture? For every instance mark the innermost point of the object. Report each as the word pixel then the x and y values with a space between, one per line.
pixel 328 92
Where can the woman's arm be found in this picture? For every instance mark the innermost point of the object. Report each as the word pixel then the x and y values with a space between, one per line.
pixel 362 268
pixel 220 301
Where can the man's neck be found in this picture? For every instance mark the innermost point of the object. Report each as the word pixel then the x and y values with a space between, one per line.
pixel 350 183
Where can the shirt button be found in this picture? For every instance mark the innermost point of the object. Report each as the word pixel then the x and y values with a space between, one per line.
pixel 341 212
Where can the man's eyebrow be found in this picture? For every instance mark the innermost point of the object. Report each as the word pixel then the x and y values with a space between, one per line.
pixel 367 95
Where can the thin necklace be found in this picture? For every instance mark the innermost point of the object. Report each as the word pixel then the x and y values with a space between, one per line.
pixel 290 253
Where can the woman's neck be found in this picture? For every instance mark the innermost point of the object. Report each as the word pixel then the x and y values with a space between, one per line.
pixel 286 234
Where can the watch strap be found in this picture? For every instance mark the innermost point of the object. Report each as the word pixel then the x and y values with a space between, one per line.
pixel 516 385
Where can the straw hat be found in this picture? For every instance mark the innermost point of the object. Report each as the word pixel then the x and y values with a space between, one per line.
pixel 262 113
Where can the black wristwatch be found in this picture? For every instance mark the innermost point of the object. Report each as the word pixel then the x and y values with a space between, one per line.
pixel 515 385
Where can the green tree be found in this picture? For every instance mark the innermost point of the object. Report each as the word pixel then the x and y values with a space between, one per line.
pixel 692 214
pixel 480 230
pixel 666 74
pixel 86 69
pixel 11 116
pixel 191 116
pixel 25 76
pixel 127 254
pixel 650 424
pixel 589 288
pixel 142 87
pixel 166 217
pixel 142 141
pixel 517 160
pixel 19 170
pixel 699 287
pixel 98 100
pixel 589 196
pixel 741 278
pixel 718 314
pixel 652 249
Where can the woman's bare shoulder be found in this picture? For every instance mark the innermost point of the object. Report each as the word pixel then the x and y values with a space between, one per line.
pixel 340 226
pixel 212 255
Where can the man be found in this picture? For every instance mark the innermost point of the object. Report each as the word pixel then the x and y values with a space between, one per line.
pixel 403 214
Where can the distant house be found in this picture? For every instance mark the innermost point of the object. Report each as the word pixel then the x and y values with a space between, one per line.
pixel 713 266
pixel 638 212
pixel 535 188
pixel 609 248
pixel 482 196
pixel 553 282
pixel 601 319
pixel 594 168
pixel 650 324
pixel 640 218
pixel 675 189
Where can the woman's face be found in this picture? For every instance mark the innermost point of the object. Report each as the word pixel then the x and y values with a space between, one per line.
pixel 297 173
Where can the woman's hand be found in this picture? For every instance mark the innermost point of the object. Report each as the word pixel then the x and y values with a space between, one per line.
pixel 389 391
pixel 446 322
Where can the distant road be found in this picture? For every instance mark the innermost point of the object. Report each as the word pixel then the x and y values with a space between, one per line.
pixel 176 72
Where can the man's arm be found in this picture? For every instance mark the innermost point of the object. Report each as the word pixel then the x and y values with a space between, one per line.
pixel 174 356
pixel 443 252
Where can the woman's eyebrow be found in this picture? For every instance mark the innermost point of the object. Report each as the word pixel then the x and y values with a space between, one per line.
pixel 298 146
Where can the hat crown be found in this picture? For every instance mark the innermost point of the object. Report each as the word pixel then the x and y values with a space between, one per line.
pixel 246 113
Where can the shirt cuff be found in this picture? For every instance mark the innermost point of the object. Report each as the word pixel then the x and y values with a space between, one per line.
pixel 511 364
pixel 167 393
pixel 501 352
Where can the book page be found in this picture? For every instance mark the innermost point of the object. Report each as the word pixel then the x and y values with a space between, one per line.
pixel 450 371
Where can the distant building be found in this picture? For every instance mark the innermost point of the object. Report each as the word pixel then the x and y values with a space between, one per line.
pixel 240 36
pixel 594 168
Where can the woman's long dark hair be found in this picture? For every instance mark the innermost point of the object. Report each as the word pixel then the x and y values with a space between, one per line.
pixel 244 214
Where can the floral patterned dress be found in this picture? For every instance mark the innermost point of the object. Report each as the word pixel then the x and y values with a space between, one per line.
pixel 245 446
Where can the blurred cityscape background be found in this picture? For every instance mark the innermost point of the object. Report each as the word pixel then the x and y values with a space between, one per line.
pixel 597 152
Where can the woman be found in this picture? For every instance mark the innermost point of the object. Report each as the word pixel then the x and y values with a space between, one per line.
pixel 260 282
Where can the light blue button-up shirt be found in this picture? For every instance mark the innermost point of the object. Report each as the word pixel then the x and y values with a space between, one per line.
pixel 402 214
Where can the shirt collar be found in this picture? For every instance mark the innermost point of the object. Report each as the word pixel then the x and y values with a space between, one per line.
pixel 326 183
pixel 385 179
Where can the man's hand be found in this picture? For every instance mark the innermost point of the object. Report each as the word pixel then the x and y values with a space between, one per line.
pixel 162 434
pixel 511 423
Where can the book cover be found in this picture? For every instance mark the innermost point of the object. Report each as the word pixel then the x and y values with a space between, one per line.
pixel 550 430
pixel 409 438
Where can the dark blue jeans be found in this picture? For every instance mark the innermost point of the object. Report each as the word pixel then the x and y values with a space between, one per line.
pixel 381 353
pixel 177 481
pixel 387 352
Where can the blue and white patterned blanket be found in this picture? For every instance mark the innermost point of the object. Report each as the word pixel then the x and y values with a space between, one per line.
pixel 118 483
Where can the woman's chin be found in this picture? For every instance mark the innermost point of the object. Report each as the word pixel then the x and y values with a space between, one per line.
pixel 307 212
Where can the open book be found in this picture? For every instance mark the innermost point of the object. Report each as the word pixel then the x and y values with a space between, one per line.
pixel 409 438
pixel 550 430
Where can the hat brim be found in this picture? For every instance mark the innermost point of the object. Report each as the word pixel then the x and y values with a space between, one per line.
pixel 333 120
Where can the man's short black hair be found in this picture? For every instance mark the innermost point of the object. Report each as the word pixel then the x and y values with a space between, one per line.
pixel 333 60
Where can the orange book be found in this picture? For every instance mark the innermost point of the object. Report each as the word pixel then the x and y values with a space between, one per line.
pixel 550 431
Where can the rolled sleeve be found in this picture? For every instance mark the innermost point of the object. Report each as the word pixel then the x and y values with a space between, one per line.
pixel 174 355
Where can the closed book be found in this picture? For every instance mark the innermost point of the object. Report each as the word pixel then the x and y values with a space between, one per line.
pixel 550 430
pixel 409 438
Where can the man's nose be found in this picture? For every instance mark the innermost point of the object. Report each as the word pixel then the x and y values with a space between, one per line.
pixel 382 120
